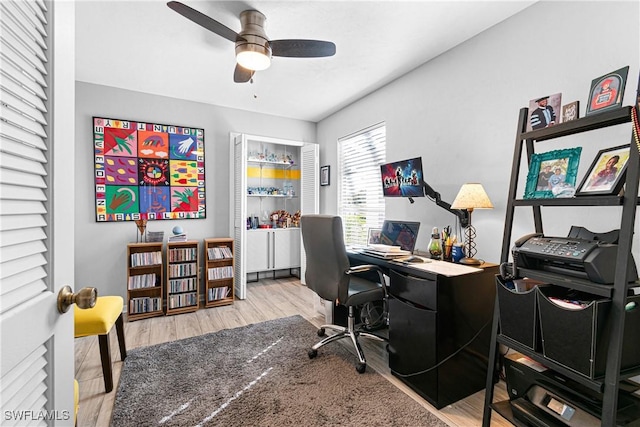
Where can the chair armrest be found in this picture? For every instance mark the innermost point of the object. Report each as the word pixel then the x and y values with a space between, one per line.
pixel 370 267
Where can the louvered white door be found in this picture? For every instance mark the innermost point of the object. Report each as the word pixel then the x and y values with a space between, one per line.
pixel 36 353
pixel 240 212
pixel 309 199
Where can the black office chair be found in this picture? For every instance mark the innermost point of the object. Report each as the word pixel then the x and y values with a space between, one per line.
pixel 329 275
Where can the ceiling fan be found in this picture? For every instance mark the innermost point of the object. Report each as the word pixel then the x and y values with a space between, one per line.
pixel 253 47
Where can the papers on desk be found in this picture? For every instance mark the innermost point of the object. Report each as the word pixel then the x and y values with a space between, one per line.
pixel 384 248
pixel 385 251
pixel 445 268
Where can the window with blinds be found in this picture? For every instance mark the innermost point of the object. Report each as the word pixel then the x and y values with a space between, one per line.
pixel 360 200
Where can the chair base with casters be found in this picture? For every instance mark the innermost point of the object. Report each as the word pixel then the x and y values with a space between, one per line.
pixel 99 321
pixel 349 332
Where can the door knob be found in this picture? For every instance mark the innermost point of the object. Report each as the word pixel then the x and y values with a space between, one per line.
pixel 85 298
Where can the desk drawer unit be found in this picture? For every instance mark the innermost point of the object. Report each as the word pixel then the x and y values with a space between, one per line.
pixel 438 342
pixel 413 321
pixel 412 332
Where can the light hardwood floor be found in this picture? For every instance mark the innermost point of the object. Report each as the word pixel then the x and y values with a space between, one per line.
pixel 266 300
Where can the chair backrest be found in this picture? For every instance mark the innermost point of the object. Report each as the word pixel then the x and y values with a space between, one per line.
pixel 327 260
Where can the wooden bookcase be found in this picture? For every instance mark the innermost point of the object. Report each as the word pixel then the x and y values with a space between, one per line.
pixel 219 284
pixel 183 265
pixel 144 280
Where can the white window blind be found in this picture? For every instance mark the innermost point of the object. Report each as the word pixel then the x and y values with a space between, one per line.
pixel 360 198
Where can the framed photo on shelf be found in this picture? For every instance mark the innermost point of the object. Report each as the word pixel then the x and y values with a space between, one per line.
pixel 324 175
pixel 543 111
pixel 607 91
pixel 606 173
pixel 374 236
pixel 551 169
pixel 571 111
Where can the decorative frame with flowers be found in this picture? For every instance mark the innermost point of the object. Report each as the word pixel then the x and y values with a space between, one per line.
pixel 566 161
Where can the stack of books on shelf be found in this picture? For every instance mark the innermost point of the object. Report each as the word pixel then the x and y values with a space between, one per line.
pixel 219 293
pixel 220 273
pixel 183 254
pixel 155 236
pixel 142 281
pixel 182 285
pixel 219 252
pixel 182 237
pixel 146 258
pixel 182 300
pixel 182 270
pixel 144 305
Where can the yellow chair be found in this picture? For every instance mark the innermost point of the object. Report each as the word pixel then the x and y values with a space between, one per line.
pixel 98 321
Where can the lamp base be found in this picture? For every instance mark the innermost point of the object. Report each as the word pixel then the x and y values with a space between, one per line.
pixel 470 261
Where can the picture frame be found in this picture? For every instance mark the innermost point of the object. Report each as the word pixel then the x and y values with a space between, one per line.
pixel 324 175
pixel 538 119
pixel 571 111
pixel 373 237
pixel 607 91
pixel 561 163
pixel 606 174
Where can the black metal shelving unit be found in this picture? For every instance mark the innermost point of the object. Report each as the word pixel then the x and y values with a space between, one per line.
pixel 608 385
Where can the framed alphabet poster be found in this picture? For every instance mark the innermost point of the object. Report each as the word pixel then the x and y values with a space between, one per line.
pixel 147 171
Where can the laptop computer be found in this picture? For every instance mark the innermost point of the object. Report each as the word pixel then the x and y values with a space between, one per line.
pixel 399 235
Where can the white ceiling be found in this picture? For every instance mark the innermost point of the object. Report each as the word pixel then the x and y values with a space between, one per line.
pixel 145 46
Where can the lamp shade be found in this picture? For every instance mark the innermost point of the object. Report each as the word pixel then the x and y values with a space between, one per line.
pixel 472 196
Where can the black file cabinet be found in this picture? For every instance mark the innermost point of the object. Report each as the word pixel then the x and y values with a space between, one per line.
pixel 440 333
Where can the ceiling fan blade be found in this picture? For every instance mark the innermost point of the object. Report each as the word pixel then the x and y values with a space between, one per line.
pixel 242 75
pixel 204 21
pixel 302 48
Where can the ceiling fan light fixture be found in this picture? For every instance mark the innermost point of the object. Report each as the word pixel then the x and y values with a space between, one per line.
pixel 253 48
pixel 253 57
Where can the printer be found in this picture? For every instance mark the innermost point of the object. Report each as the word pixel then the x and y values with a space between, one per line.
pixel 582 254
pixel 541 397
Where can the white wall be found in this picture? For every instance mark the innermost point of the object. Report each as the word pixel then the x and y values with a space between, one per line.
pixel 460 112
pixel 100 248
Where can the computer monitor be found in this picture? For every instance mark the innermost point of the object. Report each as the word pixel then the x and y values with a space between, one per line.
pixel 400 233
pixel 403 178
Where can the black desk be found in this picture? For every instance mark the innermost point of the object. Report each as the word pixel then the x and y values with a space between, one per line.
pixel 438 320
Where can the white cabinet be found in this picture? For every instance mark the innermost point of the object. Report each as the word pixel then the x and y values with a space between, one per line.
pixel 286 248
pixel 258 250
pixel 270 175
pixel 272 249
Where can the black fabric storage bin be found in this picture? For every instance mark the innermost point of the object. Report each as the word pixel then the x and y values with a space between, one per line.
pixel 579 339
pixel 518 315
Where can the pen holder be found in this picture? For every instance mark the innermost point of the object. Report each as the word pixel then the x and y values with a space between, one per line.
pixel 446 255
pixel 457 253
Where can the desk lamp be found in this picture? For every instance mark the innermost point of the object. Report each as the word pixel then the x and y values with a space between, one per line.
pixel 471 196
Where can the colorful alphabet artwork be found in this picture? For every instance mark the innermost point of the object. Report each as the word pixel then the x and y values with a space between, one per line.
pixel 147 171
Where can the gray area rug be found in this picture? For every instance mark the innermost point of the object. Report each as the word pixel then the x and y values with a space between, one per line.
pixel 257 375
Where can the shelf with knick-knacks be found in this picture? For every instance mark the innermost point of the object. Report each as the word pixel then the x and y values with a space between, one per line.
pixel 272 173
